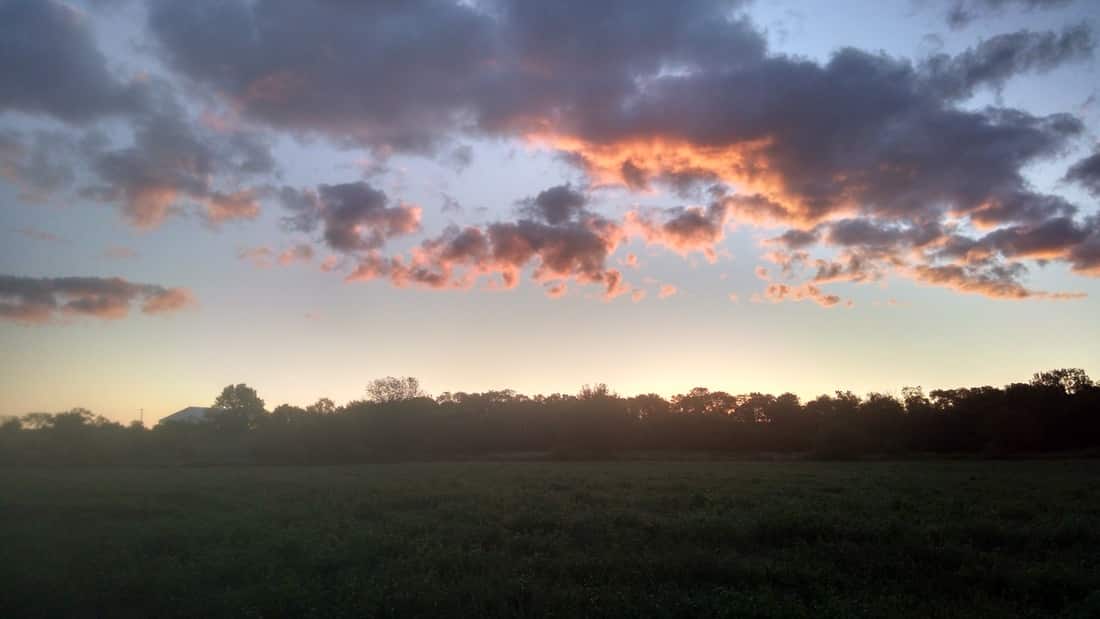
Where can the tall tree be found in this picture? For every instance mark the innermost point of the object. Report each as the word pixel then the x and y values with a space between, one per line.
pixel 393 389
pixel 239 407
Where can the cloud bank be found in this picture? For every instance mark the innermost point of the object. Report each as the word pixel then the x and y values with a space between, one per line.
pixel 878 160
pixel 40 300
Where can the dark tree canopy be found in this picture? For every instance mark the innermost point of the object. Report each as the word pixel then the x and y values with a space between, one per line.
pixel 391 389
pixel 238 407
pixel 1058 410
pixel 239 397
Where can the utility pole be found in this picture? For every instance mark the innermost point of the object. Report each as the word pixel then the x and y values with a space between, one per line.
pixel 141 412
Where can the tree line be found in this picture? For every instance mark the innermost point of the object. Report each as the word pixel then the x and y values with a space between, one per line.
pixel 1056 411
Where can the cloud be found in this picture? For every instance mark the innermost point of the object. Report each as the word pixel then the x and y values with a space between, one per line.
pixel 459 257
pixel 884 159
pixel 867 152
pixel 963 12
pixel 451 205
pixel 1047 240
pixel 460 157
pixel 263 257
pixel 788 261
pixel 392 74
pixel 778 293
pixel 1086 173
pixel 166 301
pixel 1000 282
pixel 352 217
pixel 172 162
pixel 40 300
pixel 297 253
pixel 1085 258
pixel 331 263
pixel 50 65
pixel 556 289
pixel 39 166
pixel 995 60
pixel 666 291
pixel 682 229
pixel 260 257
pixel 874 234
pixel 555 205
pixel 795 239
pixel 852 267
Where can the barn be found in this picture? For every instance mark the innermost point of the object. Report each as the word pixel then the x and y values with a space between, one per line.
pixel 191 414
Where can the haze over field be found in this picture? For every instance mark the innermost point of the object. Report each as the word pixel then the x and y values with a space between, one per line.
pixel 784 196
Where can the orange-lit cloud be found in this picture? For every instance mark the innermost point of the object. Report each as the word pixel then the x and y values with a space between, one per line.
pixel 576 250
pixel 556 290
pixel 777 293
pixel 297 253
pixel 260 257
pixel 263 257
pixel 682 230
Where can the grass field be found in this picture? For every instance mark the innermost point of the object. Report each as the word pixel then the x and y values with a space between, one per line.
pixel 642 539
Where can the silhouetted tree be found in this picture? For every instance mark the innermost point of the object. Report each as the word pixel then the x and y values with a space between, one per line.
pixel 237 408
pixel 1056 410
pixel 392 389
pixel 322 406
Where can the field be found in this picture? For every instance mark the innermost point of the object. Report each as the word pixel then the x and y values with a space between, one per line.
pixel 496 539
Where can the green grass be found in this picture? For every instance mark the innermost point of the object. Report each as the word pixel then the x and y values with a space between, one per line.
pixel 642 539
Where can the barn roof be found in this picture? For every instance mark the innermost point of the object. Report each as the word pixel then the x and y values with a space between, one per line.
pixel 191 414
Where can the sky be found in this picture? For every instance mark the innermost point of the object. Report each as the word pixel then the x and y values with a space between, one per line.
pixel 306 195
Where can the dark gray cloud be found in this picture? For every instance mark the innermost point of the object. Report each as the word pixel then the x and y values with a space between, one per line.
pixel 501 66
pixel 40 164
pixel 383 73
pixel 352 216
pixel 1085 256
pixel 1021 206
pixel 796 239
pixel 50 64
pixel 555 205
pixel 643 92
pixel 996 282
pixel 451 205
pixel 1049 239
pixel 871 234
pixel 460 157
pixel 173 162
pixel 962 12
pixel 39 300
pixel 997 59
pixel 1086 173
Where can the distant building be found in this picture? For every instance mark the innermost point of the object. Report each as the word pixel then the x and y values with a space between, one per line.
pixel 191 414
